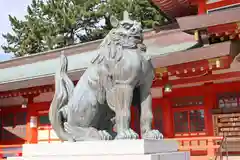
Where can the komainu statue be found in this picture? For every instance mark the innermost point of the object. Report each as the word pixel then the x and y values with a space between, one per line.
pixel 105 92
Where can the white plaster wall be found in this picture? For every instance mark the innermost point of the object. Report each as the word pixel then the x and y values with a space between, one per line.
pixel 48 96
pixel 156 92
pixel 44 97
pixel 12 101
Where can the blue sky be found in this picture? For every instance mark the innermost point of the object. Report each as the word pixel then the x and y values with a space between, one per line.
pixel 13 7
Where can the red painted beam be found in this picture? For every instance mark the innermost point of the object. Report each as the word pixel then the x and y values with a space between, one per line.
pixel 194 69
pixel 223 28
pixel 27 91
pixel 206 78
pixel 201 6
pixel 221 4
pixel 197 65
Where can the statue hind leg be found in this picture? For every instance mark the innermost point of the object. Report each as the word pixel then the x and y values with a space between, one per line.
pixel 79 126
pixel 86 133
pixel 146 111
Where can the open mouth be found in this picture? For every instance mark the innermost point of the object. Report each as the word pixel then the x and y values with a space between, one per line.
pixel 138 38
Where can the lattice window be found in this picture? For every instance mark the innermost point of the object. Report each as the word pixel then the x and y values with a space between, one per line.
pixel 13 126
pixel 44 120
pixel 191 121
pixel 228 100
pixel 181 122
pixel 158 118
pixel 187 101
pixel 8 127
pixel 196 118
pixel 20 124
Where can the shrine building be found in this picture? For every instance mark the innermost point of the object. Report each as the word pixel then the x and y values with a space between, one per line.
pixel 196 90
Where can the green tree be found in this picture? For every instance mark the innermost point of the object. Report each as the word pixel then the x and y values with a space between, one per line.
pixel 53 24
pixel 141 10
pixel 49 25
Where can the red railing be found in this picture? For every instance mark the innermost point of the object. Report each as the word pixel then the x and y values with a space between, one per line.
pixel 10 150
pixel 49 138
pixel 201 148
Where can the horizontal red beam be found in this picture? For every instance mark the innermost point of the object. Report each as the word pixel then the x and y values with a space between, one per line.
pixel 207 78
pixel 194 69
pixel 231 27
pixel 27 91
pixel 221 4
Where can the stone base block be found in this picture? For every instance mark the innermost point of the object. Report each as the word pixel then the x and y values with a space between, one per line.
pixel 160 156
pixel 93 148
pixel 104 150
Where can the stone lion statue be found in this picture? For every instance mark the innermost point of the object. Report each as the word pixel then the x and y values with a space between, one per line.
pixel 106 87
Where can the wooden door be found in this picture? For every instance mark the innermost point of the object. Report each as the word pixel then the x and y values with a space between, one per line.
pixel 189 121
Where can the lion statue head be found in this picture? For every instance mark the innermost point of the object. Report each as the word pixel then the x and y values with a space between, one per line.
pixel 127 33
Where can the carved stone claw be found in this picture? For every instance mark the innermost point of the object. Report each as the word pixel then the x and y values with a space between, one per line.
pixel 127 134
pixel 152 135
pixel 105 135
pixel 80 133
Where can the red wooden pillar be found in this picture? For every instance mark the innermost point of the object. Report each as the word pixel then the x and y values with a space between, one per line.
pixel 168 130
pixel 209 102
pixel 31 132
pixel 201 6
pixel 31 135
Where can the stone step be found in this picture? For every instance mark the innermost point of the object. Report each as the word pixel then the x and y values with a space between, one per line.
pixel 160 156
pixel 115 147
pixel 105 150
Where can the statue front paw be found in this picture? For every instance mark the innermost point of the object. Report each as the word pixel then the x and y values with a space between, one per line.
pixel 127 134
pixel 152 135
pixel 105 135
pixel 77 133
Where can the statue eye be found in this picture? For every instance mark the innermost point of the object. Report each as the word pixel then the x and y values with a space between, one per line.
pixel 133 29
pixel 120 34
pixel 127 25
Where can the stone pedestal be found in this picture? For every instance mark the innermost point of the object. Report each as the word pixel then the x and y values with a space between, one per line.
pixel 105 150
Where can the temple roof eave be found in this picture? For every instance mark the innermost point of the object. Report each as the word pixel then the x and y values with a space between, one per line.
pixel 229 48
pixel 164 51
pixel 26 75
pixel 42 66
pixel 195 22
pixel 158 61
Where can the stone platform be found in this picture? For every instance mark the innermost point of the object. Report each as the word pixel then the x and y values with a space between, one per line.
pixel 104 150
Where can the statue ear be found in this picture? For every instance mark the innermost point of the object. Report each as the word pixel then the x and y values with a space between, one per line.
pixel 114 21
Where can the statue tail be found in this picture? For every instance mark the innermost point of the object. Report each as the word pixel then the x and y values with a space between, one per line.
pixel 63 91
